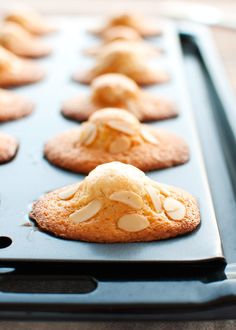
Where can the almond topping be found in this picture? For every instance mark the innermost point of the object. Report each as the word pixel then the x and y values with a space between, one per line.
pixel 88 133
pixel 171 204
pixel 153 193
pixel 86 212
pixel 177 214
pixel 163 189
pixel 121 126
pixel 148 137
pixel 120 144
pixel 68 193
pixel 174 209
pixel 127 197
pixel 132 222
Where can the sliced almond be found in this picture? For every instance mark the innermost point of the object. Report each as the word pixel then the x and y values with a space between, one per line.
pixel 171 204
pixel 163 189
pixel 120 144
pixel 174 209
pixel 132 222
pixel 86 212
pixel 68 193
pixel 129 198
pixel 154 195
pixel 88 133
pixel 148 137
pixel 121 126
pixel 177 214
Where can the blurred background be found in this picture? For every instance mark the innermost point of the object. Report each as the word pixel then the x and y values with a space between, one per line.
pixel 218 14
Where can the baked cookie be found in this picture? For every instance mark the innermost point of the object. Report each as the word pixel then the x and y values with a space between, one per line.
pixel 115 135
pixel 15 71
pixel 117 90
pixel 8 148
pixel 31 22
pixel 124 58
pixel 145 27
pixel 117 203
pixel 20 42
pixel 13 106
pixel 141 47
pixel 121 32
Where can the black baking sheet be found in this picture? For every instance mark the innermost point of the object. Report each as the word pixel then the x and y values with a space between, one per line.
pixel 29 175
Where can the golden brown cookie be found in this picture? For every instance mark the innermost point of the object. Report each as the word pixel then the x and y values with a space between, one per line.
pixel 31 22
pixel 121 32
pixel 15 71
pixel 145 27
pixel 115 135
pixel 141 47
pixel 13 106
pixel 117 90
pixel 20 42
pixel 8 148
pixel 124 58
pixel 117 203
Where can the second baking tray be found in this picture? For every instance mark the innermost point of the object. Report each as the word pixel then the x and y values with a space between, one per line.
pixel 29 176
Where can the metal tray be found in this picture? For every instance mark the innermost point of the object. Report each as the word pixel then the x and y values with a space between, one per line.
pixel 30 175
pixel 171 291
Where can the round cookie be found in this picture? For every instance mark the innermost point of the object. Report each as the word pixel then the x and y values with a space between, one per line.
pixel 20 42
pixel 124 58
pixel 142 48
pixel 31 22
pixel 145 27
pixel 15 71
pixel 116 33
pixel 115 135
pixel 121 32
pixel 117 90
pixel 13 106
pixel 8 148
pixel 117 203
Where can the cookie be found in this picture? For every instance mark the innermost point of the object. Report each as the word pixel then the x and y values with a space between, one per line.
pixel 121 32
pixel 141 47
pixel 31 22
pixel 15 71
pixel 145 27
pixel 13 106
pixel 116 33
pixel 8 148
pixel 124 58
pixel 117 90
pixel 115 135
pixel 20 42
pixel 117 203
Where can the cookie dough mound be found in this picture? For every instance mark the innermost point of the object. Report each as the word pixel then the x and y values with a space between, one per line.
pixel 20 42
pixel 115 135
pixel 31 22
pixel 117 203
pixel 117 90
pixel 124 58
pixel 15 71
pixel 8 148
pixel 145 27
pixel 13 106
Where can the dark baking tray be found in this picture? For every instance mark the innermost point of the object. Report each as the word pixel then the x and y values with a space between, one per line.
pixel 30 175
pixel 171 291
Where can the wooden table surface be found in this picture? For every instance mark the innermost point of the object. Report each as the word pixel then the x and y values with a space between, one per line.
pixel 226 43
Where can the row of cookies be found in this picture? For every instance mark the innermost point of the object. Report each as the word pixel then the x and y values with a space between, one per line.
pixel 19 39
pixel 117 202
